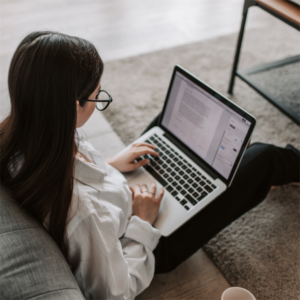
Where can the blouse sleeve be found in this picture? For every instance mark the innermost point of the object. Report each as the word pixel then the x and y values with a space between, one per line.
pixel 109 267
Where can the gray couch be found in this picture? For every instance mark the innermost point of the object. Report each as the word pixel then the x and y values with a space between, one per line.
pixel 31 264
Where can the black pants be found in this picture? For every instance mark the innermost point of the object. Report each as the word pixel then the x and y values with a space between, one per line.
pixel 262 166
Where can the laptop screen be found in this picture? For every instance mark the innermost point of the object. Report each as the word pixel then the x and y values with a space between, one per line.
pixel 206 125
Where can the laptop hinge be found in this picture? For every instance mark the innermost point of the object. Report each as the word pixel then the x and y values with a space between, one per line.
pixel 191 155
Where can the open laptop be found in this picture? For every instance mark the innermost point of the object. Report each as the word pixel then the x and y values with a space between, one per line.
pixel 201 138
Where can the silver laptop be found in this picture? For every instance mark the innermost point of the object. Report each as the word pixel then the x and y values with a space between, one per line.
pixel 201 139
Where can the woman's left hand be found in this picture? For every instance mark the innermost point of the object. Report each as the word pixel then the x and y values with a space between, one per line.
pixel 125 162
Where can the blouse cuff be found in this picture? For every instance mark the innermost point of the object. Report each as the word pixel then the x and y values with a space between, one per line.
pixel 142 232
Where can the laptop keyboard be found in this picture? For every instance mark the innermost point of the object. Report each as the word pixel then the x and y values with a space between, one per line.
pixel 177 175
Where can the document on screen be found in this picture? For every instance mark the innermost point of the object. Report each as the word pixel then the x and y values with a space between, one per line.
pixel 195 118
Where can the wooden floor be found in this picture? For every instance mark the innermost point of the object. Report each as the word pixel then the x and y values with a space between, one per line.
pixel 122 28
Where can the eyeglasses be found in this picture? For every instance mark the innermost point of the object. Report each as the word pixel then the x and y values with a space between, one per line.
pixel 103 99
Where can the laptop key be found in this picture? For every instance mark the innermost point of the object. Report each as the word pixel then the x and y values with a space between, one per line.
pixel 161 171
pixel 180 163
pixel 200 197
pixel 183 202
pixel 191 199
pixel 191 190
pixel 181 173
pixel 173 165
pixel 174 183
pixel 176 169
pixel 194 169
pixel 178 188
pixel 166 175
pixel 203 177
pixel 213 186
pixel 194 185
pixel 186 186
pixel 195 195
pixel 157 176
pixel 202 183
pixel 186 207
pixel 185 176
pixel 183 192
pixel 199 189
pixel 157 168
pixel 190 180
pixel 177 198
pixel 169 188
pixel 197 179
pixel 173 174
pixel 152 163
pixel 170 179
pixel 177 177
pixel 164 166
pixel 188 171
pixel 176 159
pixel 193 175
pixel 184 167
pixel 169 170
pixel 203 195
pixel 181 181
pixel 168 161
pixel 208 188
pixel 209 182
pixel 175 193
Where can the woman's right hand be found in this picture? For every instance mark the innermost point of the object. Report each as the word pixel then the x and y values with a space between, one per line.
pixel 144 203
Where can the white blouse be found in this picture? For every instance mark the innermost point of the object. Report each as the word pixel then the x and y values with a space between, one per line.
pixel 110 249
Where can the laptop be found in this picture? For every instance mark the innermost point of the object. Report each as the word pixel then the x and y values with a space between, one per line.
pixel 201 139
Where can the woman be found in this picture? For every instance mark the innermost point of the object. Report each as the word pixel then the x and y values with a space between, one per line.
pixel 103 226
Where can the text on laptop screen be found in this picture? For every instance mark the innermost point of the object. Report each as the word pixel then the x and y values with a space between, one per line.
pixel 204 124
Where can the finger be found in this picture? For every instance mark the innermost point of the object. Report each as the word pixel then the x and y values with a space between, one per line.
pixel 144 144
pixel 144 150
pixel 132 191
pixel 137 190
pixel 144 188
pixel 160 195
pixel 153 188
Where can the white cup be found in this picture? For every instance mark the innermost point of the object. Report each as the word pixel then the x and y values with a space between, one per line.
pixel 237 293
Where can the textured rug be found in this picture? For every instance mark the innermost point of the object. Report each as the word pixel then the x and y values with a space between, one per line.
pixel 261 250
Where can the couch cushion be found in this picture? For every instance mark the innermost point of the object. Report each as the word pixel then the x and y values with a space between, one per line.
pixel 31 264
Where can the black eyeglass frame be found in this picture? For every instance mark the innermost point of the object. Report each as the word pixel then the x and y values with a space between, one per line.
pixel 108 101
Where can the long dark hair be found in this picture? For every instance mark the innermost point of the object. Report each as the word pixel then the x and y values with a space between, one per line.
pixel 48 72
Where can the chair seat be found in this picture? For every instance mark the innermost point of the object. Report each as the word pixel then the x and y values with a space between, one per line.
pixel 284 8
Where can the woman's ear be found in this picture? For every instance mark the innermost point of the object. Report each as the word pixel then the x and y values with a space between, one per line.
pixel 78 107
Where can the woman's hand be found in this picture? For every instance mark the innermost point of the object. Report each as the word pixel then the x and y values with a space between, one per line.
pixel 144 203
pixel 124 162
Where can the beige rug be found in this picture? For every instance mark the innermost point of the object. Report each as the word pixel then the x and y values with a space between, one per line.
pixel 261 250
